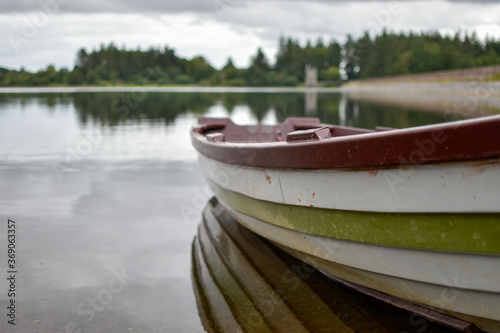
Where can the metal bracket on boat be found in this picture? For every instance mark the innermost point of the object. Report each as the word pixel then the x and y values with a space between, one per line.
pixel 313 134
pixel 207 123
pixel 215 137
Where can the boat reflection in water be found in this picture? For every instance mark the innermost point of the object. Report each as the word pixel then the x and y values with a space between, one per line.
pixel 245 284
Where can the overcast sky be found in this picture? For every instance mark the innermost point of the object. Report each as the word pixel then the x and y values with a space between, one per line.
pixel 34 33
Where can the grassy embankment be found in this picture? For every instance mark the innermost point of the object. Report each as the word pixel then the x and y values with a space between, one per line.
pixel 466 92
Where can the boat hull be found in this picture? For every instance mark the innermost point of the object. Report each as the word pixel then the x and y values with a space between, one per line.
pixel 412 213
pixel 434 279
pixel 455 225
pixel 447 262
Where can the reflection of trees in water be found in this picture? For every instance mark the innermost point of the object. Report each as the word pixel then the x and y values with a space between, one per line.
pixel 260 104
pixel 231 100
pixel 111 108
pixel 323 106
pixel 114 108
pixel 284 105
pixel 371 115
pixel 49 100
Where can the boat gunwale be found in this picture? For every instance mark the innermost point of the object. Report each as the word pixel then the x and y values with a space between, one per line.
pixel 444 143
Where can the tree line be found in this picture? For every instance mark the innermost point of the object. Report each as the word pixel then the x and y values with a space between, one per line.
pixel 390 54
pixel 385 54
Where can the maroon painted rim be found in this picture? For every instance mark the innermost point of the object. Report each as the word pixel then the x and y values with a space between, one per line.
pixel 303 143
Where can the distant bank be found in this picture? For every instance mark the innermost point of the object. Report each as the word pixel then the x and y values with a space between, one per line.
pixel 174 89
pixel 465 92
pixel 452 79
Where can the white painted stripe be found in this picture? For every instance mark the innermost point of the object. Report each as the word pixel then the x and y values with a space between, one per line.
pixel 460 188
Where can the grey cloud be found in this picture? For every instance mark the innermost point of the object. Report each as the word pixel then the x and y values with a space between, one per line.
pixel 153 6
pixel 105 6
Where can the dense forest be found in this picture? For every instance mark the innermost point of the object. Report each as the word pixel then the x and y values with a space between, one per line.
pixel 365 57
pixel 396 54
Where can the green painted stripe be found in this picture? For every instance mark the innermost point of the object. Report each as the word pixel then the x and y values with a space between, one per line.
pixel 437 231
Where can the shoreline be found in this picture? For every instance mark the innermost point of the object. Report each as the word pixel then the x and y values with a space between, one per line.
pixel 483 88
pixel 465 98
pixel 410 87
pixel 180 89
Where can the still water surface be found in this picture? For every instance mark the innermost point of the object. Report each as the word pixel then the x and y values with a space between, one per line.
pixel 107 198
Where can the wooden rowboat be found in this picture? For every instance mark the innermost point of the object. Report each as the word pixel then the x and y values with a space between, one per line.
pixel 411 213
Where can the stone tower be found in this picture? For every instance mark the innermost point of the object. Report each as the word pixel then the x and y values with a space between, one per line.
pixel 311 76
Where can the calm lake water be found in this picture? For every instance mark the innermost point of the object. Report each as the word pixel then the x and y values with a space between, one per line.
pixel 107 197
